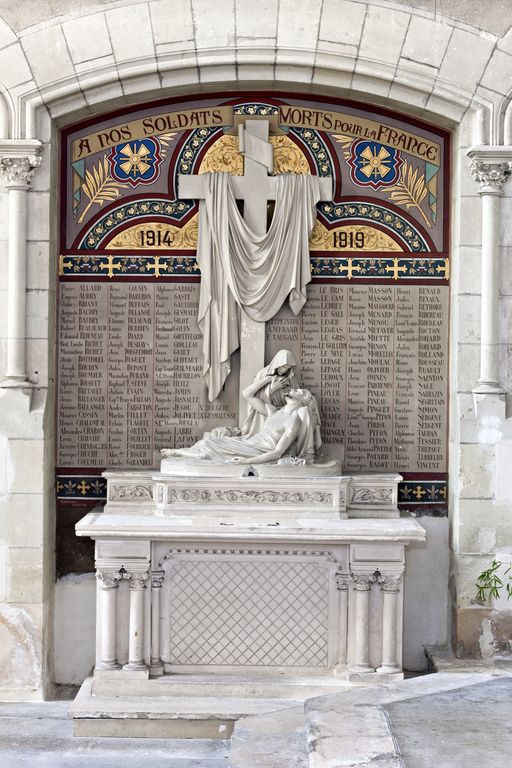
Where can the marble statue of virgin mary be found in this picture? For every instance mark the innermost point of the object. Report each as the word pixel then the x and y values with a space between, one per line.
pixel 275 382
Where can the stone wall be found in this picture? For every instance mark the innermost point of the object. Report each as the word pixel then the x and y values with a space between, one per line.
pixel 450 71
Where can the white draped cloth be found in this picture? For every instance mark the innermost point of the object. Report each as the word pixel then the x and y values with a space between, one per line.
pixel 240 269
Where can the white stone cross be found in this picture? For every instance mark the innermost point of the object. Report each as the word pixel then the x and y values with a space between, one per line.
pixel 255 188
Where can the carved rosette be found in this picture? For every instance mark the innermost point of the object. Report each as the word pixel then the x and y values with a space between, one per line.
pixel 17 172
pixel 108 579
pixel 490 175
pixel 138 580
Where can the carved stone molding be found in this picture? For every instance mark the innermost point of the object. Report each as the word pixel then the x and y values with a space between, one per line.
pixel 18 161
pixel 131 493
pixel 108 579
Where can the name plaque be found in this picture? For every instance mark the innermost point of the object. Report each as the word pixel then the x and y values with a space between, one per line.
pixel 130 372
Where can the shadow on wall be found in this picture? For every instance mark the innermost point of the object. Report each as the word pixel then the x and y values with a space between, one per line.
pixel 426 592
pixel 74 627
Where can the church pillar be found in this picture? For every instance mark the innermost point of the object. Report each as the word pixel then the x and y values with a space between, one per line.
pixel 490 166
pixel 136 630
pixel 157 578
pixel 18 161
pixel 390 586
pixel 108 581
pixel 342 583
pixel 362 587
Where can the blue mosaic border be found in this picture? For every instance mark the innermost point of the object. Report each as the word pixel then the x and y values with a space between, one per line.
pixel 174 210
pixel 335 267
pixel 80 487
pixel 423 492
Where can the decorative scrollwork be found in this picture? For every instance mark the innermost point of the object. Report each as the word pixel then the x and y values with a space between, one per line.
pixel 235 496
pixel 131 492
pixel 371 495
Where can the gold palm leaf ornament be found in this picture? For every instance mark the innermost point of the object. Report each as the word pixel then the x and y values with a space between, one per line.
pixel 99 186
pixel 410 190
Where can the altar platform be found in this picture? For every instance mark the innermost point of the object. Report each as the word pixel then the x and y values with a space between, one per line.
pixel 255 586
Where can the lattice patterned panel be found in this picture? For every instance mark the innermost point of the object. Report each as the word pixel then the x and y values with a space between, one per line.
pixel 271 612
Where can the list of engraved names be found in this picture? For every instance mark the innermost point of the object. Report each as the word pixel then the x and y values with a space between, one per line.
pixel 130 364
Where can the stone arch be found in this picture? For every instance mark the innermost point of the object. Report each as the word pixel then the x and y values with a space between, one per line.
pixel 200 51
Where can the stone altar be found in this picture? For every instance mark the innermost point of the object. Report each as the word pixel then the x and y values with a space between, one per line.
pixel 292 578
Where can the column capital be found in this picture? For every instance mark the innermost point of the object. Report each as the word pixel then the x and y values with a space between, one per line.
pixel 490 167
pixel 363 581
pixel 389 583
pixel 138 579
pixel 108 579
pixel 342 581
pixel 157 579
pixel 19 158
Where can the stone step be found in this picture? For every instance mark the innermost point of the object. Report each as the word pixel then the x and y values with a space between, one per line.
pixel 200 717
pixel 225 686
pixel 270 741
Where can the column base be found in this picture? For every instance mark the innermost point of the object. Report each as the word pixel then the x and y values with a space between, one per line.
pixel 107 666
pixel 16 382
pixel 135 666
pixel 156 669
pixel 361 669
pixel 488 388
pixel 388 669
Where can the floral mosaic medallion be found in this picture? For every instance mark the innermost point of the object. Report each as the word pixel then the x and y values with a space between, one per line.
pixel 374 165
pixel 136 162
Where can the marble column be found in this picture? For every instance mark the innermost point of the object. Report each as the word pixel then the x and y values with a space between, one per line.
pixel 491 167
pixel 362 586
pixel 157 580
pixel 390 586
pixel 136 630
pixel 342 584
pixel 18 161
pixel 107 582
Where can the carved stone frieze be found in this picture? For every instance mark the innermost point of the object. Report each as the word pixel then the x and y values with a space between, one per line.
pixel 371 496
pixel 235 496
pixel 131 492
pixel 18 171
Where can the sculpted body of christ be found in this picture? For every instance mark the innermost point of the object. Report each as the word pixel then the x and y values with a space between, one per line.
pixel 291 433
